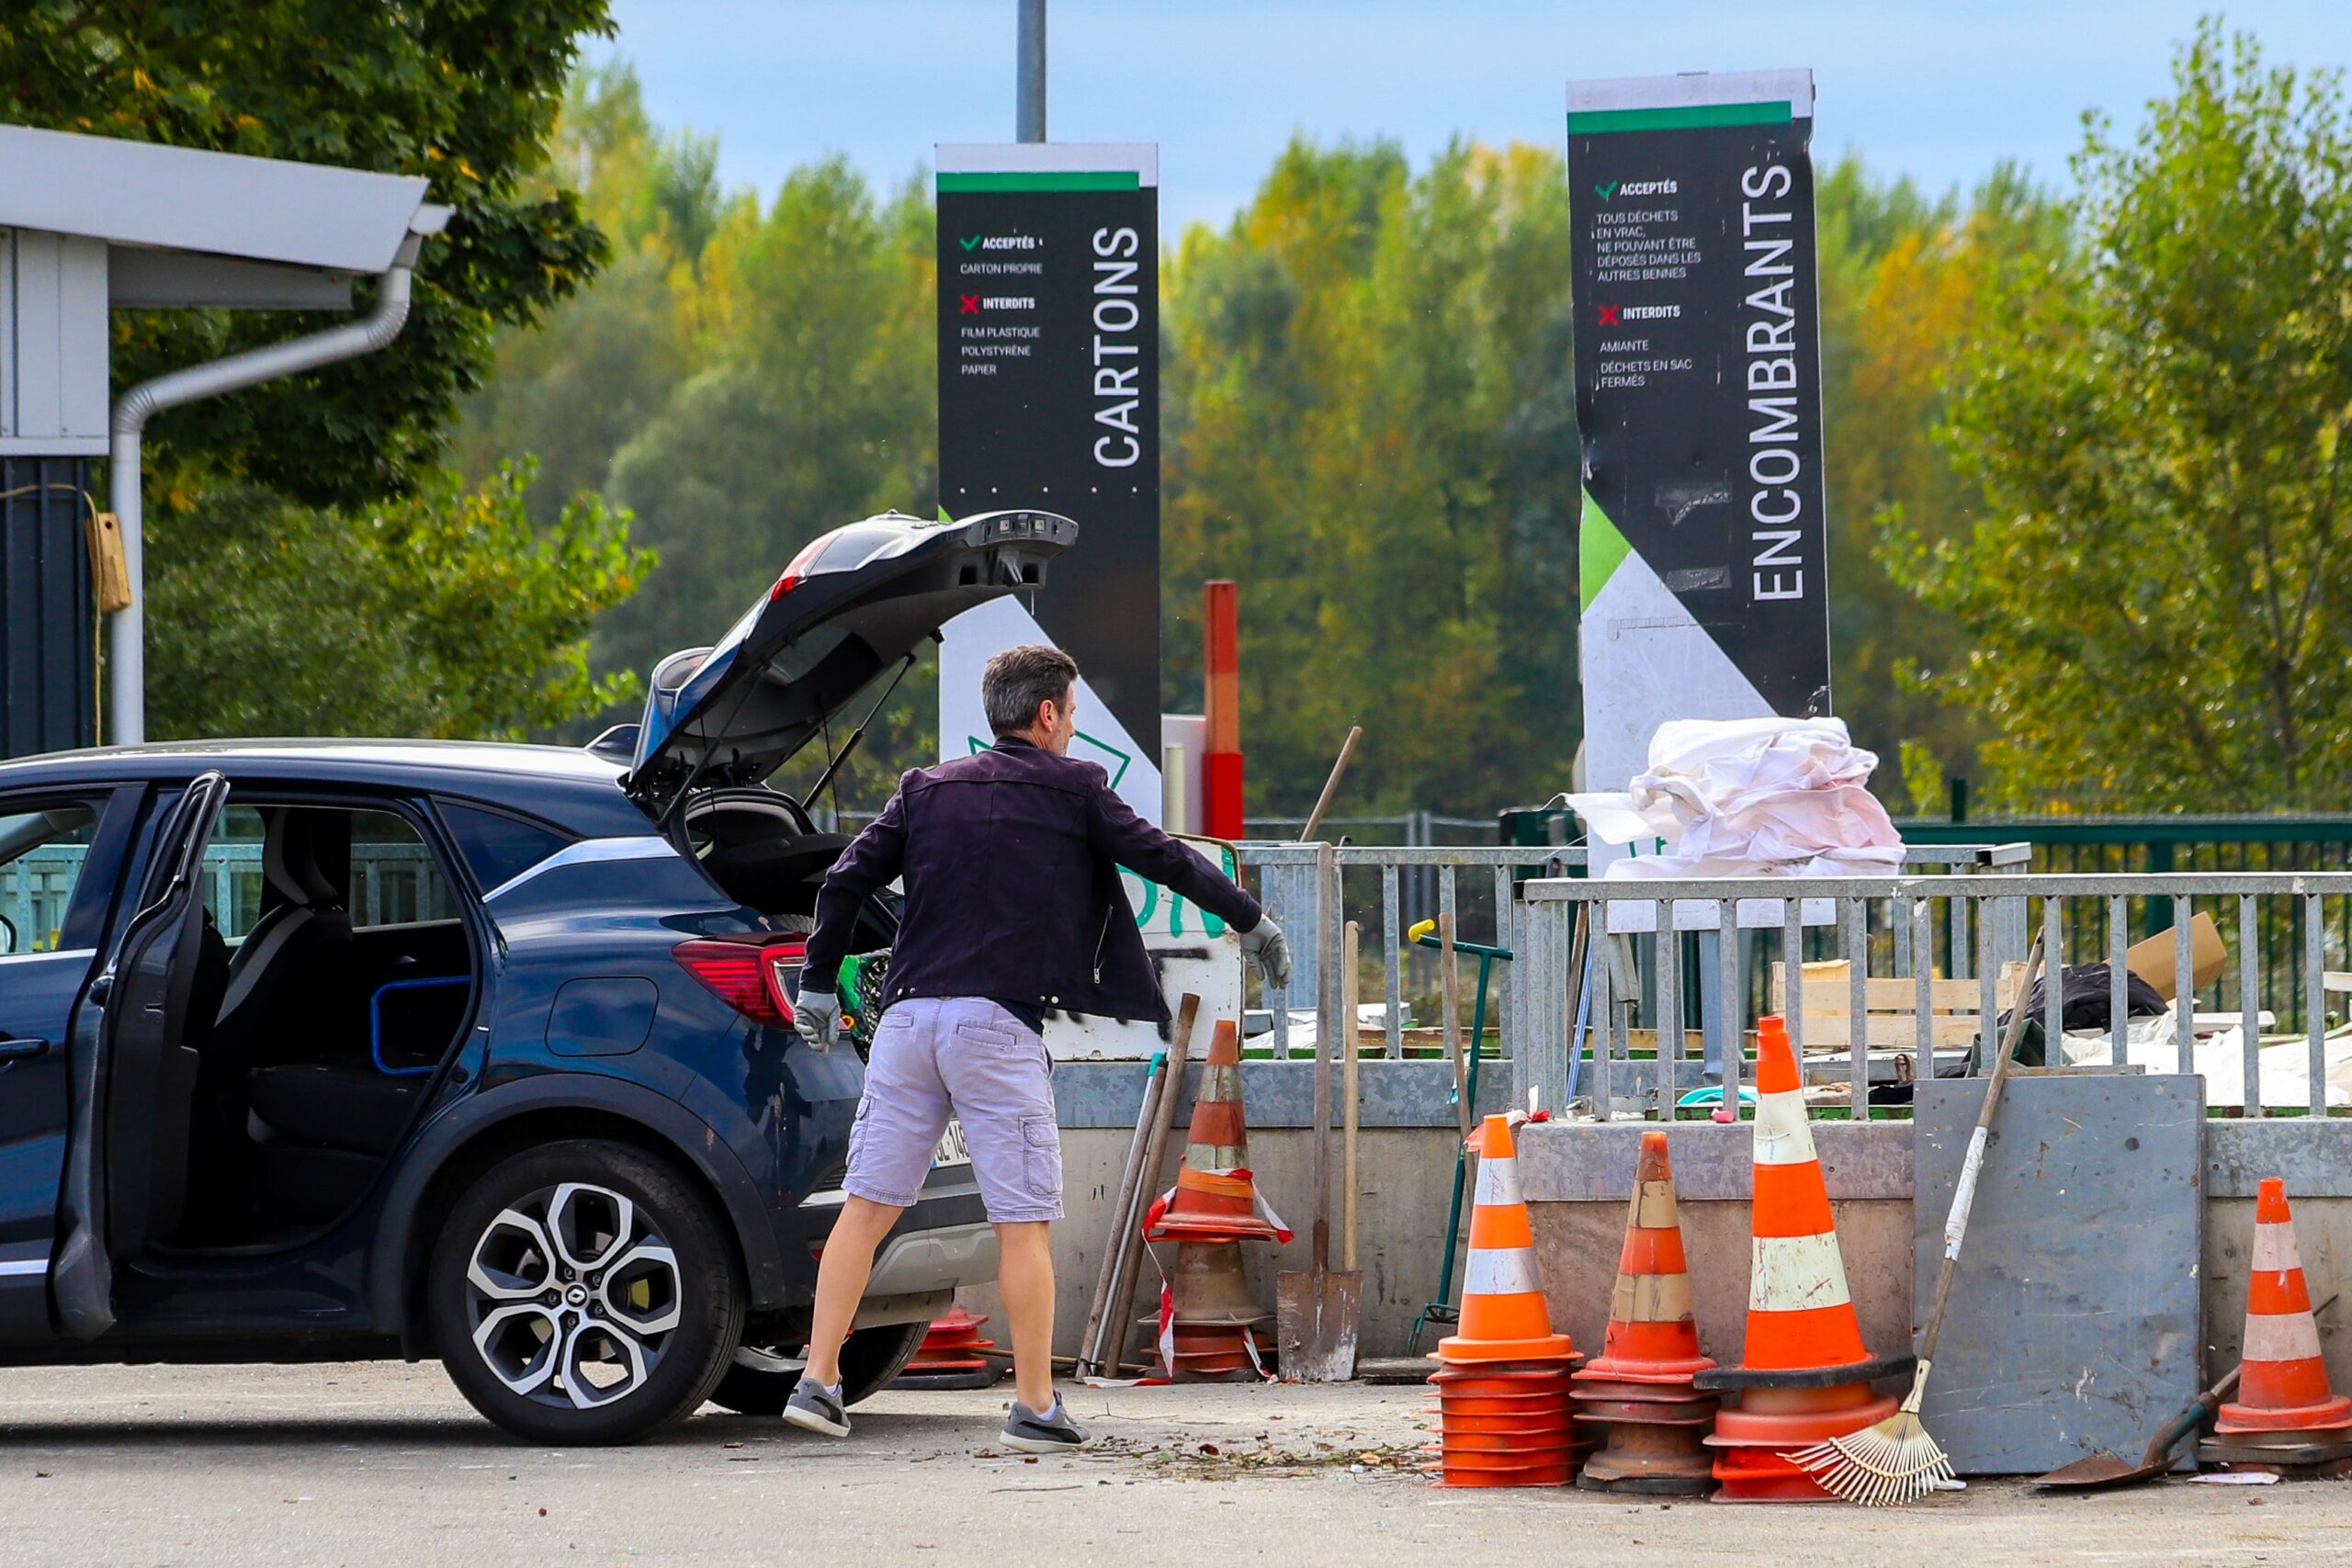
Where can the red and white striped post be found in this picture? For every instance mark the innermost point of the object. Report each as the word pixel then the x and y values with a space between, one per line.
pixel 1221 667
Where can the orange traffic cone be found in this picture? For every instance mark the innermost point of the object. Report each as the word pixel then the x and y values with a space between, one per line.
pixel 2283 1389
pixel 1207 1326
pixel 1502 1380
pixel 949 1356
pixel 1804 1375
pixel 1639 1389
pixel 1503 1314
pixel 1215 1199
pixel 1652 1338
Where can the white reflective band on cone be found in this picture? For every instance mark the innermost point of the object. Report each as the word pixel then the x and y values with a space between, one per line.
pixel 1783 1136
pixel 1498 1182
pixel 1796 1273
pixel 1653 1206
pixel 1501 1271
pixel 1651 1297
pixel 2274 1249
pixel 2285 1337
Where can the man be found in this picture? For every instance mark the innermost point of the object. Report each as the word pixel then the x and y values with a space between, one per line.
pixel 1013 907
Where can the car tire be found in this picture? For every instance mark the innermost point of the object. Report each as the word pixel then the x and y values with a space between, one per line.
pixel 584 1293
pixel 872 1360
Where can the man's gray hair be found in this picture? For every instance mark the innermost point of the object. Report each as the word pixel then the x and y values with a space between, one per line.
pixel 1018 679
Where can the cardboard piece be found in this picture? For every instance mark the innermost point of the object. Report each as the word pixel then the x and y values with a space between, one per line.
pixel 2151 959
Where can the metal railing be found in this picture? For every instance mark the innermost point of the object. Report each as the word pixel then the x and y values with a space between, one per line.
pixel 2087 845
pixel 1484 911
pixel 1484 906
pixel 1867 913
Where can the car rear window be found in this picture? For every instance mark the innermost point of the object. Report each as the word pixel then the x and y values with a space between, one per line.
pixel 497 847
pixel 853 546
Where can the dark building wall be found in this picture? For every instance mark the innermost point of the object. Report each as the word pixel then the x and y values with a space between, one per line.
pixel 47 618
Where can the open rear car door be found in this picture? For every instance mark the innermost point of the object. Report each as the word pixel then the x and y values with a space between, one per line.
pixel 126 1157
pixel 853 605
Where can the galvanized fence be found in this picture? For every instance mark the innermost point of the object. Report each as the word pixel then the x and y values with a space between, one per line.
pixel 1479 889
pixel 1470 885
pixel 1960 928
pixel 2095 845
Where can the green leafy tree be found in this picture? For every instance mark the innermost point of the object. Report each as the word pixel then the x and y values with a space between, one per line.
pixel 2158 599
pixel 313 565
pixel 745 376
pixel 575 388
pixel 1369 422
pixel 1904 292
pixel 810 404
pixel 463 92
pixel 444 613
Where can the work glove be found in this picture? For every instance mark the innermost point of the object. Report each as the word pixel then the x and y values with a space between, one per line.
pixel 818 1016
pixel 1265 942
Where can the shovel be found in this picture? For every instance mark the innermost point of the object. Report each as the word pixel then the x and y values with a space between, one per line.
pixel 2099 1470
pixel 1316 1312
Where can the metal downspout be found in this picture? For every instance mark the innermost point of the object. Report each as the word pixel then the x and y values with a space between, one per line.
pixel 126 631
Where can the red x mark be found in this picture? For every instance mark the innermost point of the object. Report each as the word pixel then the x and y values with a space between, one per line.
pixel 971 304
pixel 1609 315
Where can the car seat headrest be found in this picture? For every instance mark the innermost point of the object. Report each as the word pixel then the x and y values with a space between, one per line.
pixel 289 862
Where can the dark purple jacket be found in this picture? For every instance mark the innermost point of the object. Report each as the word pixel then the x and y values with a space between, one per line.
pixel 1011 859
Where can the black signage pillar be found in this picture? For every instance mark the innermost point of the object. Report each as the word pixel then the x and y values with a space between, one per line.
pixel 1698 361
pixel 1049 397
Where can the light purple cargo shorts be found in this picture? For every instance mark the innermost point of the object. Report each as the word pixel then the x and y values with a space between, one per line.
pixel 965 1056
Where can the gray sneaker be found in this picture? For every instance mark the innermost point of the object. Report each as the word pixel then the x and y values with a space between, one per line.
pixel 1052 1433
pixel 813 1407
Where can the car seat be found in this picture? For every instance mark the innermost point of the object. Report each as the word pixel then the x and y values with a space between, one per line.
pixel 289 1022
pixel 285 978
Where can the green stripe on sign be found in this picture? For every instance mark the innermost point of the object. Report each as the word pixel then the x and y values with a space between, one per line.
pixel 1041 179
pixel 1595 122
pixel 1601 549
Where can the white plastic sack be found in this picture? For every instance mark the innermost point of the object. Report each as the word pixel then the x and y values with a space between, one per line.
pixel 1748 797
pixel 2219 1057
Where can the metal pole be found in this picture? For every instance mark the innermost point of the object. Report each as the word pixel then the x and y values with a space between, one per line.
pixel 1327 1004
pixel 1029 108
pixel 126 632
pixel 1710 1000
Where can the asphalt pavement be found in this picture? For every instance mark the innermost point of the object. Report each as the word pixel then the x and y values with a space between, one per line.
pixel 383 1464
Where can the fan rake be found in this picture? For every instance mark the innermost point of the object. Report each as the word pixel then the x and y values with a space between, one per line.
pixel 1896 1461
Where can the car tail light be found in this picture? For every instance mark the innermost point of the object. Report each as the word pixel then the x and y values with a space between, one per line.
pixel 798 571
pixel 755 976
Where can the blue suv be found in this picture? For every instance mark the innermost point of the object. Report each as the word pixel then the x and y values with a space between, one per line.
pixel 339 1050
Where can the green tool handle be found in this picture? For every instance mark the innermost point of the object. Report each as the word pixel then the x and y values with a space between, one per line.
pixel 2207 1406
pixel 1420 936
pixel 2186 1424
pixel 1462 1155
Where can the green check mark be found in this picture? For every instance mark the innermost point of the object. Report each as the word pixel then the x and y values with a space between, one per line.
pixel 1604 192
pixel 974 240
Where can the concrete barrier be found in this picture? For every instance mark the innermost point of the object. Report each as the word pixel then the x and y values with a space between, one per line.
pixel 1577 1176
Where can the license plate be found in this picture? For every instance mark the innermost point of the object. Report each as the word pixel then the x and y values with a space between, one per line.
pixel 952 1149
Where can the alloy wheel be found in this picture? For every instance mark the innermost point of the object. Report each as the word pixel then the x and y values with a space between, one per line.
pixel 572 1295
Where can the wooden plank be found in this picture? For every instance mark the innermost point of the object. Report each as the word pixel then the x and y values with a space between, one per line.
pixel 1828 990
pixel 1887 1031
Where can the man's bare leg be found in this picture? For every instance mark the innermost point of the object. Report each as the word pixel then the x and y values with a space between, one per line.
pixel 1025 1285
pixel 841 1281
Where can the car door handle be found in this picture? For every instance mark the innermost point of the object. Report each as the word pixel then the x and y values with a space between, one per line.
pixel 23 1048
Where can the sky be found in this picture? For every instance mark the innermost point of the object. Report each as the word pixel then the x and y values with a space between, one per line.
pixel 1941 92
